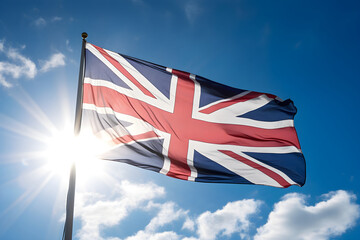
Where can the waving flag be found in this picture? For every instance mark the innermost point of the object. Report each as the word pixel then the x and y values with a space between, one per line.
pixel 188 127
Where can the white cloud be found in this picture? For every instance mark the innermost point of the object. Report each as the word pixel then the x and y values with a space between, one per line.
pixel 190 238
pixel 96 213
pixel 232 218
pixel 168 212
pixel 56 19
pixel 56 60
pixel 192 11
pixel 189 224
pixel 141 235
pixel 292 219
pixel 166 215
pixel 40 22
pixel 18 67
pixel 68 47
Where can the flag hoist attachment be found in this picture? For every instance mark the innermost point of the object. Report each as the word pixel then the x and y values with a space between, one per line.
pixel 68 227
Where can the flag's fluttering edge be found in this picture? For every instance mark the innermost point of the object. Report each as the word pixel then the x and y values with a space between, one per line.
pixel 188 127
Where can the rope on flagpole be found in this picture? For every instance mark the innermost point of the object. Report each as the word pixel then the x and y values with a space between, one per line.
pixel 68 227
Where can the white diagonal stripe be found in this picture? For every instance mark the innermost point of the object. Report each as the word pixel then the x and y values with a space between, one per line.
pixel 160 100
pixel 138 127
pixel 212 152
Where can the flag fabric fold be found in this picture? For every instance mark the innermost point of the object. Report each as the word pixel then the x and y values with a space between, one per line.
pixel 188 127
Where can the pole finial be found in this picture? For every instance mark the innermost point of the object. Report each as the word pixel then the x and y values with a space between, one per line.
pixel 84 35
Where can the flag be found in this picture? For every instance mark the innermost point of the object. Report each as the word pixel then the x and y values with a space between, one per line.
pixel 188 127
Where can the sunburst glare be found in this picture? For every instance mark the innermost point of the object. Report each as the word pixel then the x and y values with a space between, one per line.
pixel 63 148
pixel 48 159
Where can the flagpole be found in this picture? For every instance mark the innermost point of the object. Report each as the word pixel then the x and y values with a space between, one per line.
pixel 68 227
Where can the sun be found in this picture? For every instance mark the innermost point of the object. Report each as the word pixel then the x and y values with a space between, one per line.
pixel 50 150
pixel 63 149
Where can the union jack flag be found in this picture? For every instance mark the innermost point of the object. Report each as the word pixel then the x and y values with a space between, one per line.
pixel 188 127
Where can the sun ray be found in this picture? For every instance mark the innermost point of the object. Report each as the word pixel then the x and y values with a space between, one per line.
pixel 20 157
pixel 26 101
pixel 21 203
pixel 19 128
pixel 66 110
pixel 50 157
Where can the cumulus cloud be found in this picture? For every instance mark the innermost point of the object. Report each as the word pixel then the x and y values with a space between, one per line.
pixel 95 212
pixel 141 235
pixel 40 22
pixel 18 66
pixel 292 219
pixel 232 218
pixel 56 60
pixel 168 213
pixel 189 224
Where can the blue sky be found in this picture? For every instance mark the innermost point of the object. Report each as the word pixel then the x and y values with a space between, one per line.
pixel 304 50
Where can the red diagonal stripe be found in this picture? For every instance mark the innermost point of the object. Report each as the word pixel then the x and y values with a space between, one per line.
pixel 263 169
pixel 124 71
pixel 131 138
pixel 220 105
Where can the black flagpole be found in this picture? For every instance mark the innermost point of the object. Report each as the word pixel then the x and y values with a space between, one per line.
pixel 67 234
